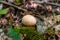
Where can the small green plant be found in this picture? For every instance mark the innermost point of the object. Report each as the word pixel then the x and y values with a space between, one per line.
pixel 14 33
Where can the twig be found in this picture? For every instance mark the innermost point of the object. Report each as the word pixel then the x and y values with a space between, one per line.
pixel 54 4
pixel 13 5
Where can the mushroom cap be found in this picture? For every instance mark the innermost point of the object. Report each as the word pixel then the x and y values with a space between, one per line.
pixel 29 20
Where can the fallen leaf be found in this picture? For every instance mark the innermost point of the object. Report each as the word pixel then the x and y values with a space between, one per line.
pixel 4 11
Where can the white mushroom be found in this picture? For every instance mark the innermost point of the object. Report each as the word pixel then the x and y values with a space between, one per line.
pixel 29 20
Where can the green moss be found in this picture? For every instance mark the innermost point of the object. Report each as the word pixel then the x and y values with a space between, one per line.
pixel 18 1
pixel 31 33
pixel 50 31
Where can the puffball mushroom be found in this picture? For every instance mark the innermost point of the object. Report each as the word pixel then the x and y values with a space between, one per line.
pixel 29 20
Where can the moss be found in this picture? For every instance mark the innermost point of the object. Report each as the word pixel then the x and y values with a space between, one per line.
pixel 31 33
